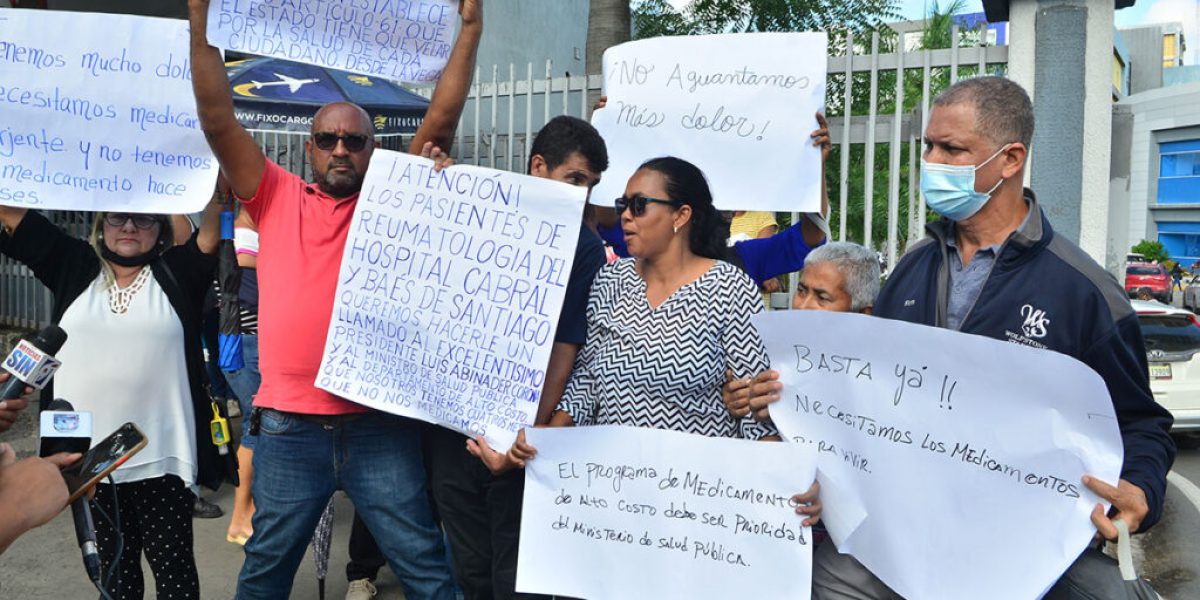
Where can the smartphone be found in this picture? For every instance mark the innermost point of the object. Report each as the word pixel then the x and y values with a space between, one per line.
pixel 103 458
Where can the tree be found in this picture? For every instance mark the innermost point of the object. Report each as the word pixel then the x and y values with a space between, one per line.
pixel 608 25
pixel 658 17
pixel 1154 251
pixel 937 34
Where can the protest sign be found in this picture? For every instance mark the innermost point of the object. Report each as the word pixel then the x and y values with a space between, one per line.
pixel 739 106
pixel 627 512
pixel 404 41
pixel 97 113
pixel 449 294
pixel 962 456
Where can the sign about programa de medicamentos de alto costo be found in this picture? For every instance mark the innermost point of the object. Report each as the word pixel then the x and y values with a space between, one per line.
pixel 739 106
pixel 631 513
pixel 402 40
pixel 97 113
pixel 449 294
pixel 935 446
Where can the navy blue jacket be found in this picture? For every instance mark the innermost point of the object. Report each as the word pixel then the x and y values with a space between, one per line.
pixel 1088 318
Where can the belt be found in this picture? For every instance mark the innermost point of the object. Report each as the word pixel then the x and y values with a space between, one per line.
pixel 322 420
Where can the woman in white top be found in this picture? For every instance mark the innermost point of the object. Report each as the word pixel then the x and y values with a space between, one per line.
pixel 130 301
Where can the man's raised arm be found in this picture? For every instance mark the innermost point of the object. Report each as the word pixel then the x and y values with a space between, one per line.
pixel 241 159
pixel 450 95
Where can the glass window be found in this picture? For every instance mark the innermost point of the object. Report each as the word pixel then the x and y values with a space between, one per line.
pixel 1169 47
pixel 1143 271
pixel 1182 164
pixel 1170 333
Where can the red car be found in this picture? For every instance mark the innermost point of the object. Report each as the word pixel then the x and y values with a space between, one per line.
pixel 1148 275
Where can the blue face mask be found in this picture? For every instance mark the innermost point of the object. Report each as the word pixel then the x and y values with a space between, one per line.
pixel 950 189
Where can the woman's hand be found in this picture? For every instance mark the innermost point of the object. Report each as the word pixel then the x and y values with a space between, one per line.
pixel 809 504
pixel 497 463
pixel 743 396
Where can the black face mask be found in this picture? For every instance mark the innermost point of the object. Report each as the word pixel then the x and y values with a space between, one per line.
pixel 132 261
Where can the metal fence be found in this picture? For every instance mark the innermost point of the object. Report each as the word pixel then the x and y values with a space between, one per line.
pixel 24 301
pixel 505 110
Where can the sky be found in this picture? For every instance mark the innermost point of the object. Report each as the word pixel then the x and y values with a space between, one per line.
pixel 1141 13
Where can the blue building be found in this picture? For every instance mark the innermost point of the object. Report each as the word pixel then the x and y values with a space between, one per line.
pixel 1155 167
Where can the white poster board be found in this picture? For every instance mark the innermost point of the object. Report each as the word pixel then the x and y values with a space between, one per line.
pixel 739 106
pixel 97 113
pixel 449 294
pixel 626 512
pixel 950 464
pixel 403 41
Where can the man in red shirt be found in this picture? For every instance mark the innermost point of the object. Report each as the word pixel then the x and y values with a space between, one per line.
pixel 312 442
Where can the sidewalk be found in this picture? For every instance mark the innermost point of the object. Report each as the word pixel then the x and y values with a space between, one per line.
pixel 44 564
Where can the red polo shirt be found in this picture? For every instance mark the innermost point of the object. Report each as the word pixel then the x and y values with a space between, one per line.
pixel 302 233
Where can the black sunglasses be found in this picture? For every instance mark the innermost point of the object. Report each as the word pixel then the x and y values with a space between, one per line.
pixel 327 141
pixel 139 221
pixel 637 205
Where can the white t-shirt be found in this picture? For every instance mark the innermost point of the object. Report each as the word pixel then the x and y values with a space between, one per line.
pixel 131 367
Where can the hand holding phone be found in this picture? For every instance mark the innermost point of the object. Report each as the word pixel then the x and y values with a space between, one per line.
pixel 104 458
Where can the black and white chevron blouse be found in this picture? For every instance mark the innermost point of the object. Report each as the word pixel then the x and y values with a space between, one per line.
pixel 664 367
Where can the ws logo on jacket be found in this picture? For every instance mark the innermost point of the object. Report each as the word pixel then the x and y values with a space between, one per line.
pixel 1033 327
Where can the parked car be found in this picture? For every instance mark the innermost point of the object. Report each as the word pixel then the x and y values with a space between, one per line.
pixel 1148 275
pixel 1191 294
pixel 1173 352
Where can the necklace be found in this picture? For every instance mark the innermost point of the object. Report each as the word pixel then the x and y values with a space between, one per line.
pixel 119 298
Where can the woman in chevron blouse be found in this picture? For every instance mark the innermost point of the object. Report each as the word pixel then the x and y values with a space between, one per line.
pixel 664 326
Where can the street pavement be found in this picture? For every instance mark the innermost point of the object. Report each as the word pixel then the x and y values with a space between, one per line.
pixel 1170 551
pixel 45 564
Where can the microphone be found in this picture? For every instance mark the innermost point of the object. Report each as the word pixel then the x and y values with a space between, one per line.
pixel 85 528
pixel 85 534
pixel 32 362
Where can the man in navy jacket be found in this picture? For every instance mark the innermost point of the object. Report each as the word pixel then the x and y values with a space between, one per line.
pixel 994 267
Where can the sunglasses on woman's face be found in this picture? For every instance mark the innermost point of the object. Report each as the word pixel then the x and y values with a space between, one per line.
pixel 327 141
pixel 119 220
pixel 637 205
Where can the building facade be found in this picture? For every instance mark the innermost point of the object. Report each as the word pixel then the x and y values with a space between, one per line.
pixel 1155 169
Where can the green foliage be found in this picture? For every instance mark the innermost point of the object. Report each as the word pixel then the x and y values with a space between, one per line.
pixel 654 18
pixel 657 18
pixel 936 35
pixel 1154 251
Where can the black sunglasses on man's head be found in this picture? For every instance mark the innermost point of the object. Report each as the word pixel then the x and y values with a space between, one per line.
pixel 327 141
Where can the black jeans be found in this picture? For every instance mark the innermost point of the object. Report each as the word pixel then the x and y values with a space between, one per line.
pixel 156 519
pixel 481 515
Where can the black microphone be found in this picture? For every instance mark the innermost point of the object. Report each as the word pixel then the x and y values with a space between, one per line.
pixel 85 534
pixel 32 362
pixel 85 528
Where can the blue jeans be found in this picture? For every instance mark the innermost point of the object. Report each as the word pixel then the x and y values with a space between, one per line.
pixel 376 459
pixel 244 382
